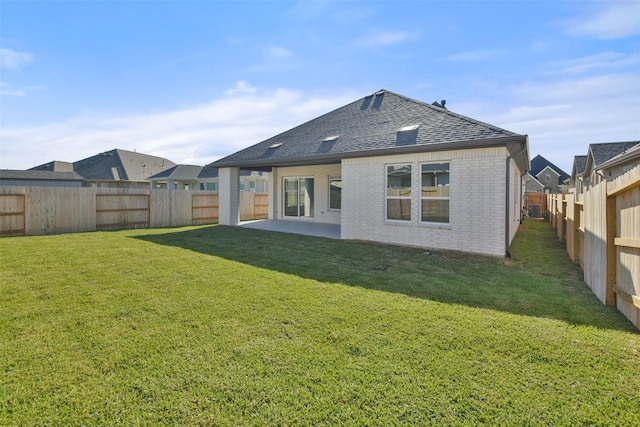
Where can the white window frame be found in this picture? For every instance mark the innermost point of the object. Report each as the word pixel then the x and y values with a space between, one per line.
pixel 284 198
pixel 387 197
pixel 334 178
pixel 448 162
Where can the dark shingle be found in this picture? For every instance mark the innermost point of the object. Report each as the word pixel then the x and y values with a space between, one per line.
pixel 579 162
pixel 180 172
pixel 368 124
pixel 605 151
pixel 121 165
pixel 40 175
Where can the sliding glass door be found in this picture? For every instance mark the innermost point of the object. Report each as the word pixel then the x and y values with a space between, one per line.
pixel 298 197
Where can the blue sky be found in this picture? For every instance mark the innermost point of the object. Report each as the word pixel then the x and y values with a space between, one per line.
pixel 194 81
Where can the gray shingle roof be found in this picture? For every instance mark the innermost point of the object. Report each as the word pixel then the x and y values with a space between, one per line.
pixel 579 162
pixel 605 151
pixel 194 173
pixel 180 172
pixel 55 166
pixel 121 165
pixel 39 175
pixel 369 125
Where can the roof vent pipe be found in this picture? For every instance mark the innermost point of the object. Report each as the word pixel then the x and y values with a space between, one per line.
pixel 443 102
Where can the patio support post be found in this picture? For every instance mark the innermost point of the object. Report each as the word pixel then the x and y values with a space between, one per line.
pixel 229 196
pixel 272 186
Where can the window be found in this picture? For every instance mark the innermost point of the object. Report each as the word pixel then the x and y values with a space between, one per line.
pixel 547 177
pixel 399 192
pixel 335 192
pixel 298 197
pixel 435 192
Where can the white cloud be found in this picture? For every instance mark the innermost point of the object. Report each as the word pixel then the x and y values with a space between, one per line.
pixel 278 52
pixel 10 58
pixel 6 89
pixel 616 20
pixel 562 117
pixel 474 55
pixel 600 61
pixel 384 38
pixel 196 135
pixel 242 87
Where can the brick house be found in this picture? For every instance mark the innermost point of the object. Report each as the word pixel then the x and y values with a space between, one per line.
pixel 545 177
pixel 389 169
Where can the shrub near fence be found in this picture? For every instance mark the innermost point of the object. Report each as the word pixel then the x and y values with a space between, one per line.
pixel 602 233
pixel 56 210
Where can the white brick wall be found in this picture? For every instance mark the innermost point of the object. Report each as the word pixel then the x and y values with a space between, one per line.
pixel 477 202
pixel 229 196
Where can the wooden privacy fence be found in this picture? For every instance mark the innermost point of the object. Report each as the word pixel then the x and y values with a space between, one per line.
pixel 55 210
pixel 602 233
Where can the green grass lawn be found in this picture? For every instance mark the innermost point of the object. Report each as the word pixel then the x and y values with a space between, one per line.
pixel 229 326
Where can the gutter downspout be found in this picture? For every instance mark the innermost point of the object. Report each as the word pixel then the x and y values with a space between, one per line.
pixel 507 253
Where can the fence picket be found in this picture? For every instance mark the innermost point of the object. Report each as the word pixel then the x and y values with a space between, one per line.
pixel 603 235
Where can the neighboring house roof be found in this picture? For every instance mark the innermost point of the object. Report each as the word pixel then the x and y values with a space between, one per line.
pixel 55 166
pixel 208 172
pixel 600 153
pixel 380 124
pixel 121 165
pixel 39 175
pixel 188 172
pixel 195 173
pixel 579 162
pixel 630 154
pixel 539 163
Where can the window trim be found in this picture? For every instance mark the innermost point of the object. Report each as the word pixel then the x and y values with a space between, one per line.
pixel 387 197
pixel 421 197
pixel 332 178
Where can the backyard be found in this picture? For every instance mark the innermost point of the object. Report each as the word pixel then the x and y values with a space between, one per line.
pixel 228 326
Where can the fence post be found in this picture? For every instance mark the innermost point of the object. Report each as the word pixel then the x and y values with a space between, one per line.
pixel 612 259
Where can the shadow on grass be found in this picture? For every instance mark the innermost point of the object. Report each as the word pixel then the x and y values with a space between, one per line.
pixel 539 281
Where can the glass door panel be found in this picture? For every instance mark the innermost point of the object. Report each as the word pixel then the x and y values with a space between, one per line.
pixel 291 197
pixel 298 197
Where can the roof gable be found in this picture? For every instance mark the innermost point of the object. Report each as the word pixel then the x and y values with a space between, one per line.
pixel 579 163
pixel 539 163
pixel 370 124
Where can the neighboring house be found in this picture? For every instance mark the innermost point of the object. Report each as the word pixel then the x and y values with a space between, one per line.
pixel 620 164
pixel 545 177
pixel 40 178
pixel 187 177
pixel 597 155
pixel 390 169
pixel 575 181
pixel 116 168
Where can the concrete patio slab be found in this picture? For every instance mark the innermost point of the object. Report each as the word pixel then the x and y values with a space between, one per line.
pixel 330 231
